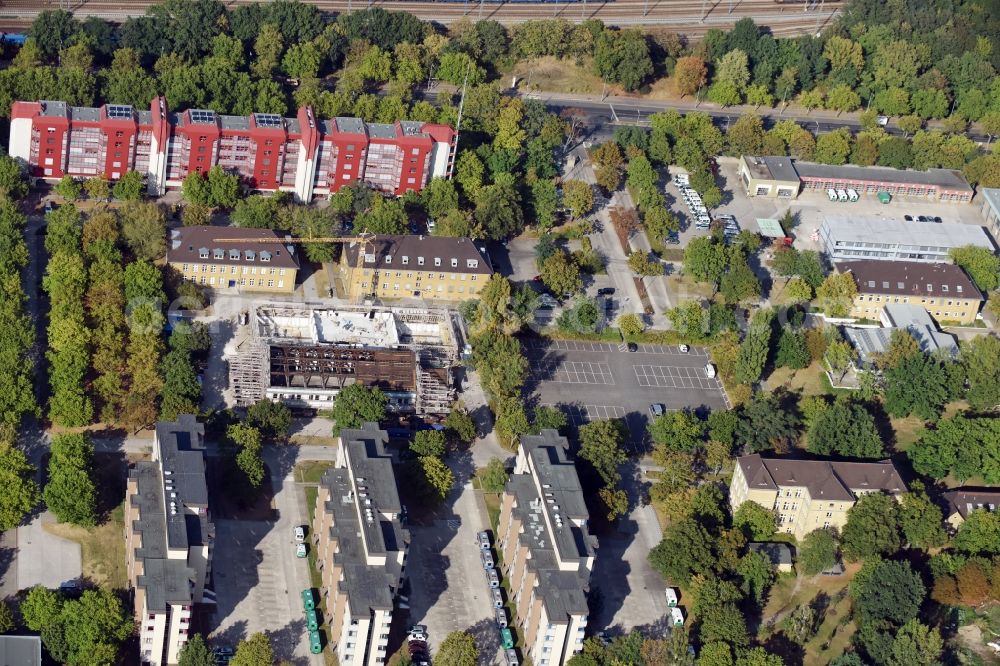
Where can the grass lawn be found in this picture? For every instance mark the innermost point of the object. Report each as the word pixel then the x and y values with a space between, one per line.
pixel 909 429
pixel 312 440
pixel 833 634
pixel 311 471
pixel 807 381
pixel 689 288
pixel 555 75
pixel 102 548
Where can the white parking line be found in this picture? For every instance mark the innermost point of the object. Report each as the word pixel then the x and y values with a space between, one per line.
pixel 573 372
pixel 581 414
pixel 666 376
pixel 608 347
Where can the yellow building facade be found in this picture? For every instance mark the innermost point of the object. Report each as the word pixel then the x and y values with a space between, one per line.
pixel 233 259
pixel 428 267
pixel 806 495
pixel 943 290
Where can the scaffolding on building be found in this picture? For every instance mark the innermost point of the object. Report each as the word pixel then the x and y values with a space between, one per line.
pixel 286 352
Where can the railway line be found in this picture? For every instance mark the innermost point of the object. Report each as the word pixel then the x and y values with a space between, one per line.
pixel 692 17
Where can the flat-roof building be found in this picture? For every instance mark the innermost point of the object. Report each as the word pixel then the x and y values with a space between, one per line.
pixel 360 546
pixel 547 548
pixel 168 539
pixel 304 356
pixel 943 290
pixel 304 155
pixel 20 651
pixel 937 184
pixel 772 177
pixel 866 237
pixel 407 266
pixel 991 209
pixel 233 259
pixel 809 494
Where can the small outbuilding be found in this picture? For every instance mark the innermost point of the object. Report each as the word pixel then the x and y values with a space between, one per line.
pixel 771 177
pixel 780 554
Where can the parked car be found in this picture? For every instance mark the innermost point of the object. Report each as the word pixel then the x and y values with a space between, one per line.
pixel 487 558
pixel 300 533
pixel 883 120
pixel 657 409
pixel 484 539
pixel 710 370
pixel 672 238
pixel 492 578
pixel 497 598
pixel 937 219
pixel 510 656
pixel 632 347
pixel 222 655
pixel 418 632
pixel 605 291
pixel 684 349
pixel 501 617
pixel 923 218
pixel 908 218
pixel 301 550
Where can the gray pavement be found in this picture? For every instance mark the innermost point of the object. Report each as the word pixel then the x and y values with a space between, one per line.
pixel 258 578
pixel 40 558
pixel 596 380
pixel 448 589
pixel 630 593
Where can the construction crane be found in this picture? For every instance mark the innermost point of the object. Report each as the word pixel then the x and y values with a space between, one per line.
pixel 363 238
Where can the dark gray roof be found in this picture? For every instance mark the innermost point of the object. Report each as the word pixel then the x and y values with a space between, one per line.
pixel 186 244
pixel 562 592
pixel 234 122
pixel 992 196
pixel 55 109
pixel 949 179
pixel 20 651
pixel 87 113
pixel 778 553
pixel 413 248
pixel 350 125
pixel 381 131
pixel 180 450
pixel 964 501
pixel 910 278
pixel 771 168
pixel 367 586
pixel 824 479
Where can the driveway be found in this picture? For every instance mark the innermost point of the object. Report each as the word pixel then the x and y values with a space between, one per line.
pixel 43 558
pixel 258 579
pixel 598 380
pixel 448 590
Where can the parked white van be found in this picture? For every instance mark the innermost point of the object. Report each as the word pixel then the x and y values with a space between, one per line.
pixel 710 370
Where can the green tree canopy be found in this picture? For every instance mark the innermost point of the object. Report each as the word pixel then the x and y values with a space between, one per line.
pixel 70 492
pixel 686 550
pixel 891 592
pixel 254 651
pixel 356 404
pixel 457 649
pixel 845 428
pixel 817 552
pixel 18 490
pixel 872 527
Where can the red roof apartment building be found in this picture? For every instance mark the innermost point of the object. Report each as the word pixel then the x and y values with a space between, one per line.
pixel 304 155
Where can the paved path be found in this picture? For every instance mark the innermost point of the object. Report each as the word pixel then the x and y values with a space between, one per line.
pixel 44 558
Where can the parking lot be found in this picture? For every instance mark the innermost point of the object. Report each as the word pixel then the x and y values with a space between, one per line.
pixel 599 380
pixel 258 579
pixel 448 590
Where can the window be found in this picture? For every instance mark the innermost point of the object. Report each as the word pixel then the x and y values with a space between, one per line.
pixel 388 259
pixel 454 263
pixel 203 253
pixel 471 263
pixel 420 261
pixel 234 255
pixel 437 261
pixel 944 288
pixel 406 260
pixel 249 255
pixel 218 254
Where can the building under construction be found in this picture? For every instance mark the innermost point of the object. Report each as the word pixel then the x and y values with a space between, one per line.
pixel 304 356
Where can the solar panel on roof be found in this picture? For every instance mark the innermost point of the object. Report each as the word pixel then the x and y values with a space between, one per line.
pixel 202 116
pixel 120 111
pixel 267 119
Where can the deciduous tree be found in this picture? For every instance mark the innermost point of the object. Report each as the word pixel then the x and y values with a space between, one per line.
pixel 356 404
pixel 872 527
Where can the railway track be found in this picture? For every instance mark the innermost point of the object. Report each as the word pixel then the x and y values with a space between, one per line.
pixel 691 17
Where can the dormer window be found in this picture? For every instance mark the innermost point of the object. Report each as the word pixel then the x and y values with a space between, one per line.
pixel 930 288
pixel 454 263
pixel 203 252
pixel 218 253
pixel 959 289
pixel 885 285
pixel 871 284
pixel 437 261
pixel 420 261
pixel 234 255
pixel 900 285
pixel 388 259
pixel 265 256
pixel 406 260
pixel 249 255
pixel 471 263
pixel 944 288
